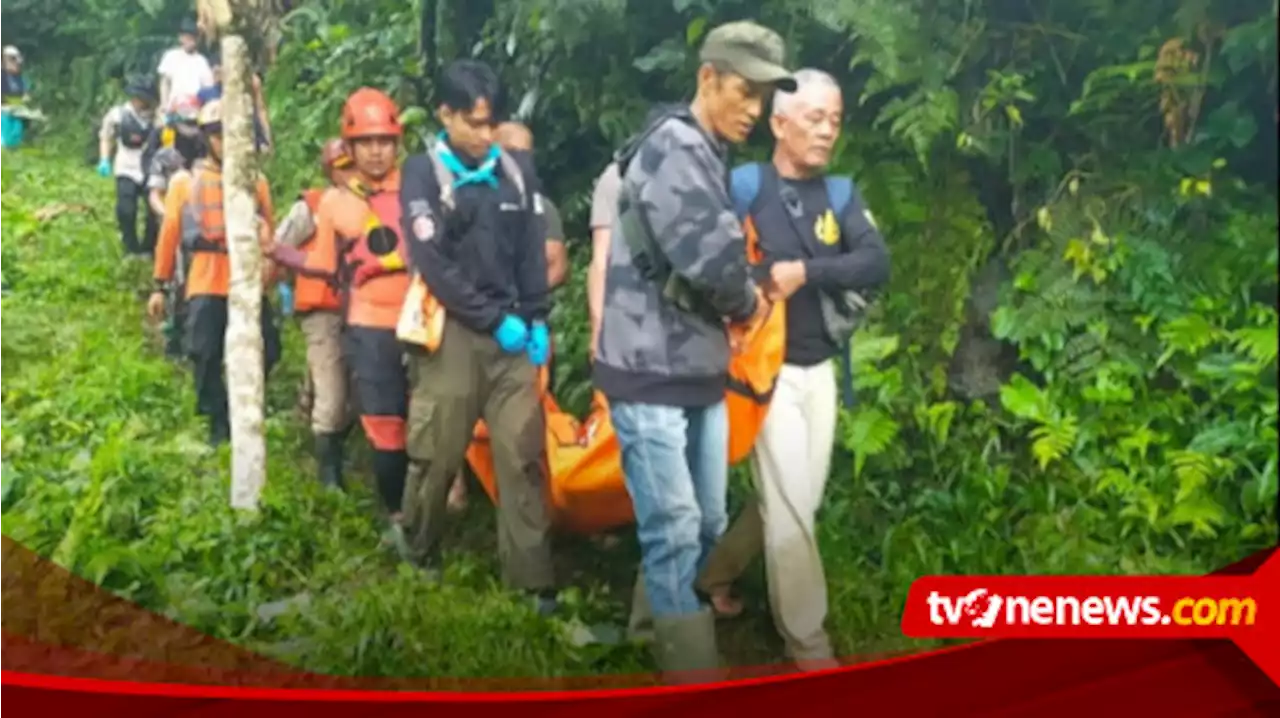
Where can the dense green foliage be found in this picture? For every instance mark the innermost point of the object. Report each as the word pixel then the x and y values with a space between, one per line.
pixel 1074 370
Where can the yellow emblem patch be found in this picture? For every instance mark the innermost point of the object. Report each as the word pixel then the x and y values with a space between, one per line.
pixel 826 229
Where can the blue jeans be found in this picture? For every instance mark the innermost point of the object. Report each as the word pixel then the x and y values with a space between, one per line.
pixel 676 464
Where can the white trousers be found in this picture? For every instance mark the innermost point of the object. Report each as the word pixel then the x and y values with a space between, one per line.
pixel 790 462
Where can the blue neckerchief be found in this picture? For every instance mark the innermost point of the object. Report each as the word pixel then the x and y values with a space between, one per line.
pixel 462 175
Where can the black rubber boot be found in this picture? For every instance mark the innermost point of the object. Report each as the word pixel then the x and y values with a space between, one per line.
pixel 546 602
pixel 329 459
pixel 390 469
pixel 219 430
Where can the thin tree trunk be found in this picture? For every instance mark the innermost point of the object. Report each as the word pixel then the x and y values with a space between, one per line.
pixel 244 348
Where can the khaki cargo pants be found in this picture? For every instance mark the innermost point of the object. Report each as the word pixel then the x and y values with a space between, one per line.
pixel 330 408
pixel 470 378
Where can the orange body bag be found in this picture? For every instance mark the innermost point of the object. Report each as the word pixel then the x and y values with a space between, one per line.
pixel 584 463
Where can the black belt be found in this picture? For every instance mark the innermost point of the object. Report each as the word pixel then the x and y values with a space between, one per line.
pixel 205 246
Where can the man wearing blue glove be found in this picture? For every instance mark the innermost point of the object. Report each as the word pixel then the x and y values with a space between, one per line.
pixel 476 235
pixel 125 131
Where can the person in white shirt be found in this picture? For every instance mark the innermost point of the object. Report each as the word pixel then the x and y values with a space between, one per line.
pixel 183 70
pixel 126 129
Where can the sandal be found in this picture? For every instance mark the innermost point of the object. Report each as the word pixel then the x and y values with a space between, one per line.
pixel 725 605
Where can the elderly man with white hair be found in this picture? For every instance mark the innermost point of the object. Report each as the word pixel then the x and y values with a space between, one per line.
pixel 825 258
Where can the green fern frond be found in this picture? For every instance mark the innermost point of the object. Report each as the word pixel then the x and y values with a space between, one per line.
pixel 1259 343
pixel 1199 511
pixel 1054 440
pixel 1195 469
pixel 1189 334
pixel 870 431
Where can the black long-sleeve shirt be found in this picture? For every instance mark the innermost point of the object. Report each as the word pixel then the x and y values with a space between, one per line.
pixel 839 253
pixel 486 258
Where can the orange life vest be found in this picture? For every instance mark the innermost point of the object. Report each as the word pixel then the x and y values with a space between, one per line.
pixel 312 198
pixel 205 229
pixel 314 293
pixel 382 235
pixel 204 224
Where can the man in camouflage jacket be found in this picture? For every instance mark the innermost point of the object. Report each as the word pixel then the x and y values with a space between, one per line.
pixel 677 275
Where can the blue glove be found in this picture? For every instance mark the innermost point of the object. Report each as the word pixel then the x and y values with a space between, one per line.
pixel 104 167
pixel 512 334
pixel 285 292
pixel 539 344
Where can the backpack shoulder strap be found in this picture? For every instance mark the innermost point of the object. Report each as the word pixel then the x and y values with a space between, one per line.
pixel 511 168
pixel 840 191
pixel 444 178
pixel 628 151
pixel 744 185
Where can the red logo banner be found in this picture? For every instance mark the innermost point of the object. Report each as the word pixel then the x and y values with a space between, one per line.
pixel 1245 609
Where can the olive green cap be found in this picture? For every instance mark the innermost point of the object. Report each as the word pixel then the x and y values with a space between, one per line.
pixel 751 50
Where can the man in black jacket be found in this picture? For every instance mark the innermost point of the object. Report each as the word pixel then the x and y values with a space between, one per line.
pixel 476 236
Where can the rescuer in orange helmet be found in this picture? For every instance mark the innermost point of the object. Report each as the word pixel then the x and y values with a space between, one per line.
pixel 358 245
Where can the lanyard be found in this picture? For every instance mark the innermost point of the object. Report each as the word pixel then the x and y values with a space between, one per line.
pixel 482 174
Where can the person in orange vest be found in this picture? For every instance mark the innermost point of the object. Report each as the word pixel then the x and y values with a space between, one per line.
pixel 194 217
pixel 358 241
pixel 318 306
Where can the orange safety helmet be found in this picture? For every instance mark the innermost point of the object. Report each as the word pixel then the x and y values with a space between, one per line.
pixel 335 155
pixel 370 113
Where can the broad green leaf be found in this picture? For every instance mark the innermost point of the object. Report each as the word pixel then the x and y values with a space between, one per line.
pixel 694 31
pixel 1219 439
pixel 1024 399
pixel 870 349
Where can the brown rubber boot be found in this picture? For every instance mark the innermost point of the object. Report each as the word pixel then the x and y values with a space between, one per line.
pixel 640 624
pixel 685 648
